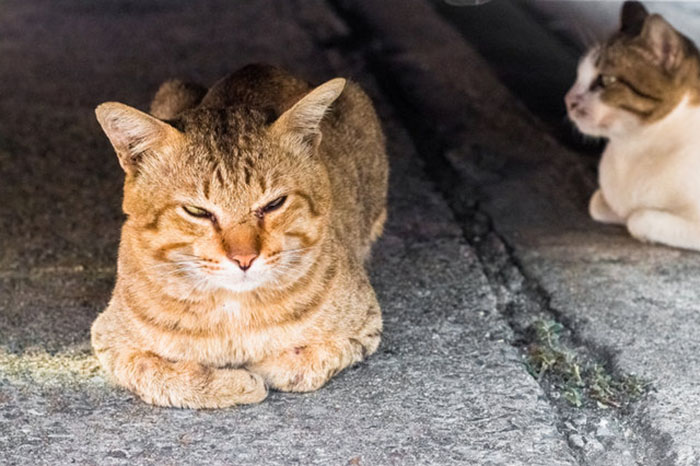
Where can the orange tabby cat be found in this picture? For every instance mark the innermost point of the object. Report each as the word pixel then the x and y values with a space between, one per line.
pixel 251 212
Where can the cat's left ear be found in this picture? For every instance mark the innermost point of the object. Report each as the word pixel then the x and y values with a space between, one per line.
pixel 134 134
pixel 665 43
pixel 300 124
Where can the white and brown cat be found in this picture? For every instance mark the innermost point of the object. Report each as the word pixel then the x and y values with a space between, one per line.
pixel 641 90
pixel 251 209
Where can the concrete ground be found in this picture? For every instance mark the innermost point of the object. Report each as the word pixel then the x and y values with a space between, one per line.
pixel 488 242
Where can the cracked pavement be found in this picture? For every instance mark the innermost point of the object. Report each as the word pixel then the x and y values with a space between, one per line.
pixel 484 203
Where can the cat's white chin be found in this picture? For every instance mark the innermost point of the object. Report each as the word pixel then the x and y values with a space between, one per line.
pixel 241 285
pixel 239 281
pixel 589 129
pixel 603 121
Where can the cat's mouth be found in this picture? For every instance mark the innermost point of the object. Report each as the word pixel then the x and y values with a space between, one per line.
pixel 589 123
pixel 578 114
pixel 232 278
pixel 581 120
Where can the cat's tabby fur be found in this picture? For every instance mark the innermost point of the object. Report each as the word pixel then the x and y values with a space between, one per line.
pixel 211 309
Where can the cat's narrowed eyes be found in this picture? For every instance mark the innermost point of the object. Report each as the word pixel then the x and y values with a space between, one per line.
pixel 198 212
pixel 260 212
pixel 634 79
pixel 270 207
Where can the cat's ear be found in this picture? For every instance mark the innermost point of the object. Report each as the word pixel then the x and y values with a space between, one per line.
pixel 134 133
pixel 632 18
pixel 300 124
pixel 663 41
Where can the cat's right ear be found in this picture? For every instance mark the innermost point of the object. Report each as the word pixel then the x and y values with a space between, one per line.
pixel 664 42
pixel 300 125
pixel 134 133
pixel 632 17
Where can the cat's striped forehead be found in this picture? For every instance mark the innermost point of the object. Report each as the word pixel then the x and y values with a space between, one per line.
pixel 226 133
pixel 228 150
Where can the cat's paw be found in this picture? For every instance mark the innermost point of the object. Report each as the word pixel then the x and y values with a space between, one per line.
pixel 230 387
pixel 307 368
pixel 600 211
pixel 641 226
pixel 301 368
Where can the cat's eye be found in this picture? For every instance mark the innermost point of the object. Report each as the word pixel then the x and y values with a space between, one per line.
pixel 604 80
pixel 274 205
pixel 607 79
pixel 197 211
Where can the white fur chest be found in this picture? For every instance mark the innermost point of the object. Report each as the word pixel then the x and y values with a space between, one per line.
pixel 657 169
pixel 625 183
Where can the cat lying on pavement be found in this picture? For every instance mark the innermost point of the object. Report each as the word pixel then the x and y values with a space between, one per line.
pixel 251 209
pixel 641 90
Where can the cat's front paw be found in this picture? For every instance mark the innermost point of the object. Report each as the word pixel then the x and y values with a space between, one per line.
pixel 641 226
pixel 225 388
pixel 306 368
pixel 298 369
pixel 600 211
pixel 237 386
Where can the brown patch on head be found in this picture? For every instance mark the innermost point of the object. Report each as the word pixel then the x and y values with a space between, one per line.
pixel 647 67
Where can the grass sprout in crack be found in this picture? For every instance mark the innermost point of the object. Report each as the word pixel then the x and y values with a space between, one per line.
pixel 580 383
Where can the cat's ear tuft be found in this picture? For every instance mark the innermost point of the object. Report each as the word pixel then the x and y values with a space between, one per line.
pixel 632 18
pixel 301 122
pixel 134 133
pixel 665 43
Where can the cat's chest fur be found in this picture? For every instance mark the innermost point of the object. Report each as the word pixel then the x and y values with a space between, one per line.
pixel 229 333
pixel 656 169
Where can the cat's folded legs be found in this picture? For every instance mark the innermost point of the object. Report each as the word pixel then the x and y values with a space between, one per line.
pixel 308 367
pixel 664 227
pixel 183 384
pixel 600 211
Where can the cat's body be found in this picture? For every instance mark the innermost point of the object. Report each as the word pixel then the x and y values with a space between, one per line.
pixel 641 90
pixel 301 307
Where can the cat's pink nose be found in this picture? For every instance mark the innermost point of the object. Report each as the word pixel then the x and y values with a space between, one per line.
pixel 572 100
pixel 244 261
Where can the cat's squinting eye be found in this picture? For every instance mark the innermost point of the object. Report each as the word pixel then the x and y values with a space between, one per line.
pixel 274 205
pixel 197 211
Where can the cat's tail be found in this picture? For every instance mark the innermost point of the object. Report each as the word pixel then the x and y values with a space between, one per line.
pixel 174 97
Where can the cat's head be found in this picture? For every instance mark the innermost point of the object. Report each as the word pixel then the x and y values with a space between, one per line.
pixel 635 78
pixel 224 198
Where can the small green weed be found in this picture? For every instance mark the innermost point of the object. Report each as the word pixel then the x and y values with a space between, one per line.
pixel 578 382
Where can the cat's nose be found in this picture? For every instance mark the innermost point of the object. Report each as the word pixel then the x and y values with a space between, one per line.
pixel 244 261
pixel 572 100
pixel 242 245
